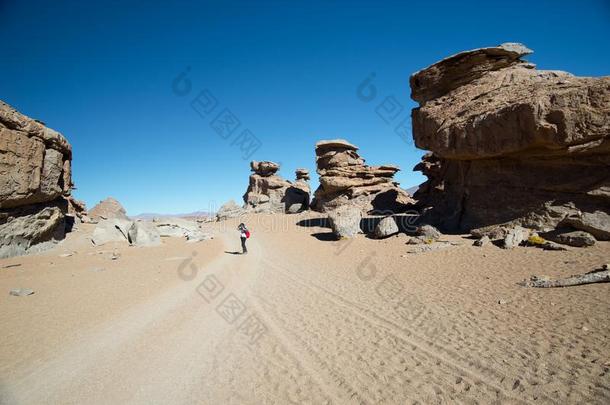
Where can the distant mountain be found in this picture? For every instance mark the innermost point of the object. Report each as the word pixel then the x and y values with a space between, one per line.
pixel 412 190
pixel 151 215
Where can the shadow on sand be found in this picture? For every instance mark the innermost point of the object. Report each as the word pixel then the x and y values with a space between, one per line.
pixel 233 253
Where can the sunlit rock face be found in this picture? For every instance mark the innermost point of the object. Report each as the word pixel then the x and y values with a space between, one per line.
pixel 509 142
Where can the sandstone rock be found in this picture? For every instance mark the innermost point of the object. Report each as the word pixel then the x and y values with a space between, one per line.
pixel 346 179
pixel 21 292
pixel 107 209
pixel 428 233
pixel 111 230
pixel 345 221
pixel 36 179
pixel 483 241
pixel 230 209
pixel 509 143
pixel 386 227
pixel 32 228
pixel 144 234
pixel 297 195
pixel 266 190
pixel 514 237
pixel 597 223
pixel 571 237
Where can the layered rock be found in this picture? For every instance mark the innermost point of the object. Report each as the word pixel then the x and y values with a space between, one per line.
pixel 107 209
pixel 298 194
pixel 35 162
pixel 266 189
pixel 511 144
pixel 346 179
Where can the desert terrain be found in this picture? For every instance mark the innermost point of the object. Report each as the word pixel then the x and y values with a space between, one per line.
pixel 301 319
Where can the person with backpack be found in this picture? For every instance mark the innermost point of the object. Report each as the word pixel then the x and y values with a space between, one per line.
pixel 244 234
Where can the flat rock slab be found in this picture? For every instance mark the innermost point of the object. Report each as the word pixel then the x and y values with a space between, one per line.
pixel 21 292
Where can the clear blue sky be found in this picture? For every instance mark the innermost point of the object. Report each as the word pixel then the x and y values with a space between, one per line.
pixel 101 73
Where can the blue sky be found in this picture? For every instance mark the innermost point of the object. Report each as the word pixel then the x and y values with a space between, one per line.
pixel 102 73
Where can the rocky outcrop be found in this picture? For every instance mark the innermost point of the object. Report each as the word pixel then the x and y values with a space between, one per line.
pixel 510 144
pixel 230 209
pixel 35 162
pixel 107 209
pixel 298 194
pixel 346 179
pixel 266 190
pixel 144 234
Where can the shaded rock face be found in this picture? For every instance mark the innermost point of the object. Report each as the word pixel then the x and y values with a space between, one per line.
pixel 230 209
pixel 509 143
pixel 35 162
pixel 266 189
pixel 298 194
pixel 346 179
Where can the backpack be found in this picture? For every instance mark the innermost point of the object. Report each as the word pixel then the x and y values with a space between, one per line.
pixel 247 234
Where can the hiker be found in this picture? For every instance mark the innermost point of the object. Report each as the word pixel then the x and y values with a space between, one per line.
pixel 244 234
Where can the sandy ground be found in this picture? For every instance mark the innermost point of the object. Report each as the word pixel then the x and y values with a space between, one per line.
pixel 301 319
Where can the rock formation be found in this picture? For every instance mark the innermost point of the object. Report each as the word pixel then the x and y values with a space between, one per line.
pixel 512 144
pixel 230 209
pixel 266 190
pixel 35 162
pixel 346 179
pixel 298 194
pixel 107 209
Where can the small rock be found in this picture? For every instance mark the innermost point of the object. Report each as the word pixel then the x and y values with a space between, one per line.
pixel 585 329
pixel 548 245
pixel 21 292
pixel 503 302
pixel 65 255
pixel 514 237
pixel 484 241
pixel 428 232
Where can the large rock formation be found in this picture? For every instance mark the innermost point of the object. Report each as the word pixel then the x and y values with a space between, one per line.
pixel 266 190
pixel 107 209
pixel 346 179
pixel 35 182
pixel 298 194
pixel 511 143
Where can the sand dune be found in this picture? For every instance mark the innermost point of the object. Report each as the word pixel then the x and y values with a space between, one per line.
pixel 301 319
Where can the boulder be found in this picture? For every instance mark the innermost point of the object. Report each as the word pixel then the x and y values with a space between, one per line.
pixel 428 233
pixel 180 227
pixel 111 230
pixel 144 234
pixel 230 209
pixel 386 227
pixel 539 139
pixel 346 179
pixel 571 237
pixel 515 237
pixel 35 162
pixel 483 241
pixel 597 223
pixel 345 221
pixel 107 209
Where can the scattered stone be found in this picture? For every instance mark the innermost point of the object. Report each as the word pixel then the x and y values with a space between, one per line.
pixel 428 233
pixel 597 223
pixel 429 247
pixel 144 234
pixel 484 241
pixel 21 292
pixel 65 254
pixel 571 238
pixel 503 302
pixel 515 237
pixel 548 245
pixel 346 179
pixel 345 221
pixel 386 227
